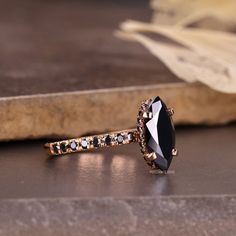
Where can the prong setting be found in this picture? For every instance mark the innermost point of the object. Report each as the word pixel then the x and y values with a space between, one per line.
pixel 150 156
pixel 170 111
pixel 174 152
pixel 147 115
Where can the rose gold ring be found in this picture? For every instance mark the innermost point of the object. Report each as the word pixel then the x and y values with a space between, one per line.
pixel 155 134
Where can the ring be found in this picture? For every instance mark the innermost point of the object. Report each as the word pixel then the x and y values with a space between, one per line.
pixel 155 133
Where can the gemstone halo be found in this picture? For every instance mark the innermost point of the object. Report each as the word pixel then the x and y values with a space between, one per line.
pixel 156 133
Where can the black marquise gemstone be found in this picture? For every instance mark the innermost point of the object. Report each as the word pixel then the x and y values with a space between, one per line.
pixel 108 140
pixel 63 147
pixel 95 142
pixel 160 134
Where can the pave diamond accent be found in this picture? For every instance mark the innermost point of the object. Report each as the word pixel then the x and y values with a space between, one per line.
pixel 159 134
pixel 73 145
pixel 84 144
pixel 120 138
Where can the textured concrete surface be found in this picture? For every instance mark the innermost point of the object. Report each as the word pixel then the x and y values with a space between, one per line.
pixel 79 113
pixel 111 192
pixel 167 216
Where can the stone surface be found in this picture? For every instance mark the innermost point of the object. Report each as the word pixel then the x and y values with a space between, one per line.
pixel 164 216
pixel 27 171
pixel 54 115
pixel 111 192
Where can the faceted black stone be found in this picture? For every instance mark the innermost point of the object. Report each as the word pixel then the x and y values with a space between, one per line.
pixel 165 133
pixel 63 147
pixel 56 148
pixel 95 142
pixel 120 138
pixel 130 136
pixel 108 140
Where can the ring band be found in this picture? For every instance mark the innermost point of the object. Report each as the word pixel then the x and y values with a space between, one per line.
pixel 92 142
pixel 155 134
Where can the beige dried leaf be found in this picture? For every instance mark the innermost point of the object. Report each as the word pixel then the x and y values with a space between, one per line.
pixel 206 56
pixel 186 12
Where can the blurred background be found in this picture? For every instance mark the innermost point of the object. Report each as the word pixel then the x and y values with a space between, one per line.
pixel 62 58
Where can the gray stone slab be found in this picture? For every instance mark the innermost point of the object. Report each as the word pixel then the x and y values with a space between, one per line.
pixel 204 166
pixel 164 216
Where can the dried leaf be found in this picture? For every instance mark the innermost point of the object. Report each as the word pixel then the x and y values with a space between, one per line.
pixel 206 56
pixel 187 12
